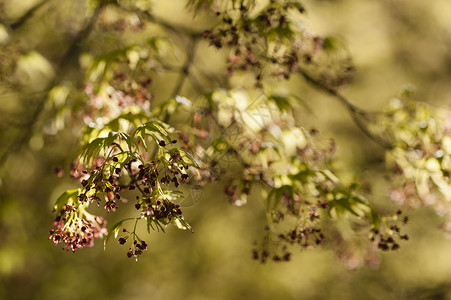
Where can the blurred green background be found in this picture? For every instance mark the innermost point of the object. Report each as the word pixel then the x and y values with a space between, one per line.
pixel 393 43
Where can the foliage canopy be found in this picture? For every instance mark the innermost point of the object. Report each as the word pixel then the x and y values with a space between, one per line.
pixel 147 141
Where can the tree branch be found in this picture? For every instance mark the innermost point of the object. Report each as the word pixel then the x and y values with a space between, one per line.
pixel 182 77
pixel 359 116
pixel 191 51
pixel 75 46
pixel 63 67
pixel 351 107
pixel 163 23
pixel 22 20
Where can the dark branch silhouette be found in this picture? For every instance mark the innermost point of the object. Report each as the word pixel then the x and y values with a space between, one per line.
pixel 29 14
pixel 64 66
pixel 360 117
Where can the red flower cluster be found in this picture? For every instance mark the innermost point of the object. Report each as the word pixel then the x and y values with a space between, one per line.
pixel 75 232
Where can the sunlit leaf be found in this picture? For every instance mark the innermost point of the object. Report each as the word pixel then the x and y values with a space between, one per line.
pixel 114 230
pixel 68 197
pixel 180 223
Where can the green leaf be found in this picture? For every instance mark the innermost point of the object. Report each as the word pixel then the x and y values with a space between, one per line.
pixel 155 40
pixel 209 97
pixel 152 220
pixel 273 199
pixel 172 195
pixel 109 140
pixel 187 157
pixel 180 223
pixel 159 127
pixel 157 222
pixel 141 134
pixel 102 62
pixel 282 103
pixel 92 149
pixel 303 176
pixel 280 32
pixel 332 44
pixel 113 231
pixel 198 4
pixel 149 224
pixel 128 139
pixel 344 202
pixel 68 197
pixel 157 130
pixel 374 219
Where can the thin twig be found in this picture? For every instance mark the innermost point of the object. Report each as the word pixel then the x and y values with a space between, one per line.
pixel 351 107
pixel 185 71
pixel 75 46
pixel 359 116
pixel 163 23
pixel 196 83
